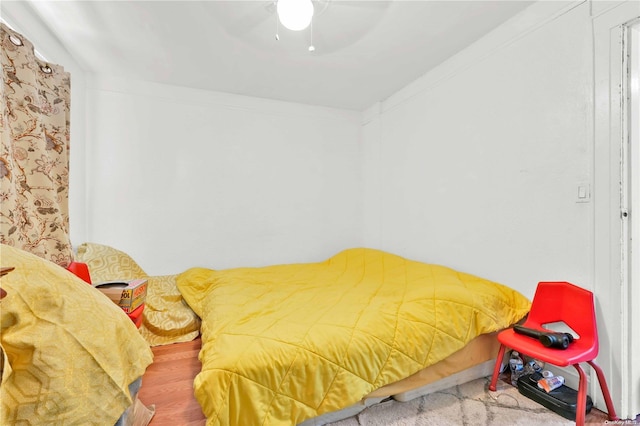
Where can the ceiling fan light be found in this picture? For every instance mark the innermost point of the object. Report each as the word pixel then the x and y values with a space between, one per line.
pixel 295 14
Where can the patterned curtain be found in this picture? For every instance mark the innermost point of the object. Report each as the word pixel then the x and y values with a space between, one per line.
pixel 34 162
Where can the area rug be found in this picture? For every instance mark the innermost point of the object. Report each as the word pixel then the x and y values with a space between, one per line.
pixel 468 404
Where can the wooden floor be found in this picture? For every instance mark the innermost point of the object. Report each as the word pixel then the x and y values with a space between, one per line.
pixel 168 383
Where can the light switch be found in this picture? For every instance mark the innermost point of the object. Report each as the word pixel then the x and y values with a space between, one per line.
pixel 584 193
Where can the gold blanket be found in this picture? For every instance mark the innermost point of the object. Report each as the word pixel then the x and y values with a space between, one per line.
pixel 166 317
pixel 69 353
pixel 283 344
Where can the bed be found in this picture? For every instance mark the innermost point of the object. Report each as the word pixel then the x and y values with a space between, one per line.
pixel 285 344
pixel 315 343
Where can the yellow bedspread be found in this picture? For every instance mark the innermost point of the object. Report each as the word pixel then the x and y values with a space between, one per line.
pixel 68 352
pixel 282 344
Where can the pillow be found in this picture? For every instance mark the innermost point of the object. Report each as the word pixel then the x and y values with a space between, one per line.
pixel 108 264
pixel 69 352
pixel 166 317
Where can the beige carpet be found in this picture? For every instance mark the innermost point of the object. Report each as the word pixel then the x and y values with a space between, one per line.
pixel 468 405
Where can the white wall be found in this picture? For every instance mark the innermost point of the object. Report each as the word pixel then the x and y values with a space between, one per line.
pixel 182 177
pixel 477 165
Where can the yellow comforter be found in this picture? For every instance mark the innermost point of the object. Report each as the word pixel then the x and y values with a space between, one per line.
pixel 285 343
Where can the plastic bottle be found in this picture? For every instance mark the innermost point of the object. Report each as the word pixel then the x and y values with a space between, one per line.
pixel 516 365
pixel 533 366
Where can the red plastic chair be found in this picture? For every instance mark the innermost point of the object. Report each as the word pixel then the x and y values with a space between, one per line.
pixel 555 302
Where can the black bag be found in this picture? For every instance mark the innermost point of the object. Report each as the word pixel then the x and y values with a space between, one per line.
pixel 562 400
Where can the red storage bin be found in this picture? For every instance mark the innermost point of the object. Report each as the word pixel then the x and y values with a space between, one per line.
pixel 136 315
pixel 82 270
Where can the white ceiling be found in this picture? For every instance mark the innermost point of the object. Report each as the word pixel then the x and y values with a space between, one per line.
pixel 365 50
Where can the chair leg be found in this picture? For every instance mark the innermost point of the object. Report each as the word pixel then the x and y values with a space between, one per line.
pixel 496 369
pixel 611 411
pixel 581 403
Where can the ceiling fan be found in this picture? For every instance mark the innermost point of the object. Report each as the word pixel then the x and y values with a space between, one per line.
pixel 333 25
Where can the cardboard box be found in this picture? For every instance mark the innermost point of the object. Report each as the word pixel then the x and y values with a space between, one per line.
pixel 129 295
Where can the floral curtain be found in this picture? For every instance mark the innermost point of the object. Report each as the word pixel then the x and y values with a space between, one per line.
pixel 34 161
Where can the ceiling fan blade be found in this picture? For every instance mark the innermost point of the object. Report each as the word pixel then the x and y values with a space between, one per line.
pixel 246 16
pixel 365 4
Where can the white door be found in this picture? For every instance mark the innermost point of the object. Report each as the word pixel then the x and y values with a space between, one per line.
pixel 631 190
pixel 616 201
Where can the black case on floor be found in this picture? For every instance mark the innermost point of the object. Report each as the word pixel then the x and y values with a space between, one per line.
pixel 561 400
